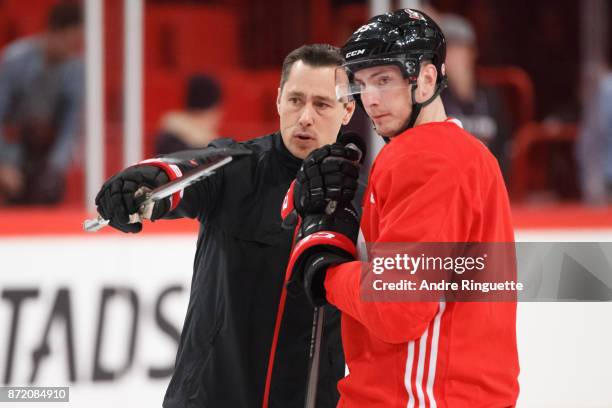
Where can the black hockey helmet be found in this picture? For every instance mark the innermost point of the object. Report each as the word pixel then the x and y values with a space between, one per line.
pixel 404 38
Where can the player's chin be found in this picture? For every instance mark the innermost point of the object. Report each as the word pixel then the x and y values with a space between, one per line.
pixel 388 128
pixel 385 131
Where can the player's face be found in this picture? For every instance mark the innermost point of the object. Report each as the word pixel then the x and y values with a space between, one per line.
pixel 386 97
pixel 310 115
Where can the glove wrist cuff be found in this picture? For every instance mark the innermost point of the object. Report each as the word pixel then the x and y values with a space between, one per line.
pixel 172 171
pixel 325 238
pixel 316 270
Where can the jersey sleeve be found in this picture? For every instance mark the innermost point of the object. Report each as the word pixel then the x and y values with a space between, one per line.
pixel 428 206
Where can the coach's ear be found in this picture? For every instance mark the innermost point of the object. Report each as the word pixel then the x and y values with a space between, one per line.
pixel 350 109
pixel 278 99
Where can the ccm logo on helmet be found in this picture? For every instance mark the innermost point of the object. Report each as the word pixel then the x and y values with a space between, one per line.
pixel 415 15
pixel 355 53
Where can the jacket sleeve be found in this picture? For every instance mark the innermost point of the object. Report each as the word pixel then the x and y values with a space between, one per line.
pixel 202 197
pixel 428 206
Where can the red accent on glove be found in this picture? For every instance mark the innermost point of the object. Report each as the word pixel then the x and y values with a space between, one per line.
pixel 288 205
pixel 173 172
pixel 321 238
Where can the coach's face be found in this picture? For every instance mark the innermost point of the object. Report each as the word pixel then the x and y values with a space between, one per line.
pixel 310 115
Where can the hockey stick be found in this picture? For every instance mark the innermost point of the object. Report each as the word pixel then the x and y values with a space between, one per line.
pixel 315 356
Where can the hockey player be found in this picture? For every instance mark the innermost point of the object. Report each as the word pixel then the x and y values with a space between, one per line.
pixel 432 182
pixel 223 359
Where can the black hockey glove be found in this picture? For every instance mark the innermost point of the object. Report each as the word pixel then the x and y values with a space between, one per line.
pixel 323 240
pixel 329 173
pixel 116 199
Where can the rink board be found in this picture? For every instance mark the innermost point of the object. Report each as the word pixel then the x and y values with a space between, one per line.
pixel 116 290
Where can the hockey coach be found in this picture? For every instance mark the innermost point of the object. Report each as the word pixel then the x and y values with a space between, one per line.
pixel 231 325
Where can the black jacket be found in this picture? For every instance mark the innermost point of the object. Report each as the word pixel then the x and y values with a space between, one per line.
pixel 239 270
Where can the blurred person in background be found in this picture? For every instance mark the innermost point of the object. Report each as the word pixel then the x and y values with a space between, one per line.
pixel 594 146
pixel 41 89
pixel 479 108
pixel 232 326
pixel 198 124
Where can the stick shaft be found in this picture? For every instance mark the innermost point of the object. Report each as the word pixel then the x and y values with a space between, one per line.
pixel 315 357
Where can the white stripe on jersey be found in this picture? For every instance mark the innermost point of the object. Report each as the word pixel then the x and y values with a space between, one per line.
pixel 421 367
pixel 408 374
pixel 433 358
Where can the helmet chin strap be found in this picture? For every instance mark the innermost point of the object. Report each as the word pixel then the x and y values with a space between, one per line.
pixel 418 106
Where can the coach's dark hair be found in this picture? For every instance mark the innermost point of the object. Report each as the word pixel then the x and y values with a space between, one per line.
pixel 65 15
pixel 315 55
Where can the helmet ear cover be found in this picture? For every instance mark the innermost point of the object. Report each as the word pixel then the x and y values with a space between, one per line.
pixel 412 63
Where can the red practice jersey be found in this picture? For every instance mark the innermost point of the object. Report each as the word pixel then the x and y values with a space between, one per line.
pixel 432 183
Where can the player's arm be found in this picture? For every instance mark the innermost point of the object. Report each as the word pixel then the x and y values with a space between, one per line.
pixel 416 209
pixel 117 199
pixel 429 206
